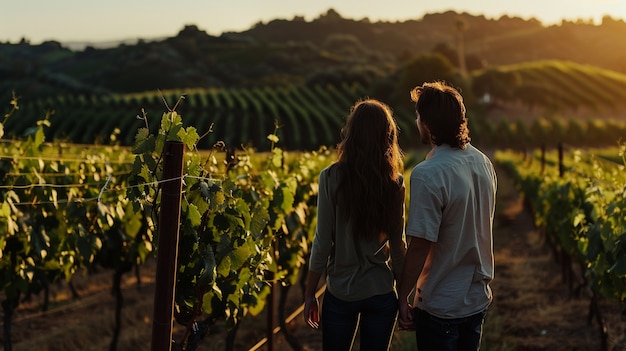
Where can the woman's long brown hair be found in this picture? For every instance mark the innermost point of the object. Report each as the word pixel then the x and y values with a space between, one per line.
pixel 370 163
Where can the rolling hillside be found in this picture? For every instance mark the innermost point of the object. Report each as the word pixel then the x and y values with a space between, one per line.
pixel 529 103
pixel 328 49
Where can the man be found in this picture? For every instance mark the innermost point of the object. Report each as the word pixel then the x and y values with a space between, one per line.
pixel 449 261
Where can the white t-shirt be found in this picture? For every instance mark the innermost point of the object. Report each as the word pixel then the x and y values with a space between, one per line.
pixel 452 204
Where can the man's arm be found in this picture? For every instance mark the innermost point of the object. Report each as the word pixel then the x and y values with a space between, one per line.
pixel 416 256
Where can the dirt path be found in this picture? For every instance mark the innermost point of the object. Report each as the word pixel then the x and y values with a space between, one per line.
pixel 532 308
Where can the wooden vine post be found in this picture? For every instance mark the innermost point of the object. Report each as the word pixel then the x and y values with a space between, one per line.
pixel 167 249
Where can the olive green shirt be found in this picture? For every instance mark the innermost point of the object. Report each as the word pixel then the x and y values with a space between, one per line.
pixel 354 270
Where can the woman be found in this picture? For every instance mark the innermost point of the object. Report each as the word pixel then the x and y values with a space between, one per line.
pixel 360 220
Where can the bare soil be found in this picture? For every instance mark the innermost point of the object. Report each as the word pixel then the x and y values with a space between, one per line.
pixel 533 308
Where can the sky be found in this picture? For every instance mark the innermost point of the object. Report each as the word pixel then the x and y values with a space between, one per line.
pixel 108 20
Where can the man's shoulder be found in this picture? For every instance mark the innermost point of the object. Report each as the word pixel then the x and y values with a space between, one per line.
pixel 475 150
pixel 428 170
pixel 435 160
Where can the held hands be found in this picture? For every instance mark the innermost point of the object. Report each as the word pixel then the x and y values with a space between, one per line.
pixel 312 312
pixel 405 316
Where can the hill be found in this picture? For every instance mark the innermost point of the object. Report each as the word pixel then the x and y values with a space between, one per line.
pixel 328 49
pixel 528 104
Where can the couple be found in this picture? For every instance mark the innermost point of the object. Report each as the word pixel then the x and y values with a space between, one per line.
pixel 448 265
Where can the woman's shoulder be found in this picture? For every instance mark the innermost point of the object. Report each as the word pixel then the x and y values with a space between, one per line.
pixel 332 170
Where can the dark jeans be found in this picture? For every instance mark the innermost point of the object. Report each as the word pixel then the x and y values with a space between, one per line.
pixel 438 334
pixel 376 317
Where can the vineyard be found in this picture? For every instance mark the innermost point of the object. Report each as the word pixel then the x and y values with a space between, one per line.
pixel 578 199
pixel 555 85
pixel 244 226
pixel 307 117
pixel 516 106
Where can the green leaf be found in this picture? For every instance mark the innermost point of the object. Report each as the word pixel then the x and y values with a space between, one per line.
pixel 244 277
pixel 40 137
pixel 207 303
pixel 207 187
pixel 189 136
pixel 166 121
pixel 277 157
pixel 144 142
pixel 284 199
pixel 204 189
pixel 193 215
pixel 260 218
pixel 145 173
pixel 193 166
pixel 51 266
pixel 44 122
pixel 256 308
pixel 244 211
pixel 273 138
pixel 239 256
pixel 223 269
pixel 142 134
pixel 5 210
pixel 171 123
pixel 234 221
pixel 209 272
pixel 292 184
pixel 159 144
pixel 132 222
pixel 144 248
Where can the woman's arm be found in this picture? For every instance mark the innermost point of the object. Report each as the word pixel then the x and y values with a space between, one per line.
pixel 321 249
pixel 311 306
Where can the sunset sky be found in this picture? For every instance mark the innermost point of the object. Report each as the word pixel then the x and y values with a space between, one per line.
pixel 81 20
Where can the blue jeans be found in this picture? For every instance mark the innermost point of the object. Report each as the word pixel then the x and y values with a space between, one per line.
pixel 376 317
pixel 438 334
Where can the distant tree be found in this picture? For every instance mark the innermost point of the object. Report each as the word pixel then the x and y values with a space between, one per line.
pixel 493 85
pixel 446 51
pixel 330 15
pixel 613 23
pixel 191 31
pixel 423 68
pixel 346 44
pixel 51 45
